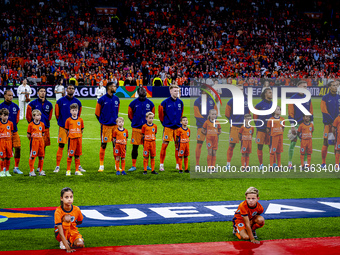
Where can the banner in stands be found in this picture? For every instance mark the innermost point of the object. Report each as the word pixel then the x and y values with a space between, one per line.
pixel 130 91
pixel 169 213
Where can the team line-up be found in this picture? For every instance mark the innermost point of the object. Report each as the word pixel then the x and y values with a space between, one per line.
pixel 141 112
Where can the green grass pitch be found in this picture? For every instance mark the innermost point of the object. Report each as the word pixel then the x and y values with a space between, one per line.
pixel 106 188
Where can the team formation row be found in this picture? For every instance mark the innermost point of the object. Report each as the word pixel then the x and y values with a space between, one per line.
pixel 175 127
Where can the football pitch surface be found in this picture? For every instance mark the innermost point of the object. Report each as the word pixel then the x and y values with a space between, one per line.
pixel 106 188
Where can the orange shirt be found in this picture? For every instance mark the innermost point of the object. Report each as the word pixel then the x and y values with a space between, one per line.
pixel 247 133
pixel 149 132
pixel 274 124
pixel 36 130
pixel 183 135
pixel 6 130
pixel 306 131
pixel 121 136
pixel 74 127
pixel 244 210
pixel 212 130
pixel 76 217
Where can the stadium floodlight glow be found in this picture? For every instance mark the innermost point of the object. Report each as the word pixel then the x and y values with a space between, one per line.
pixel 238 102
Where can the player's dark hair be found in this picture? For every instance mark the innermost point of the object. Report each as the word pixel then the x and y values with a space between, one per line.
pixel 110 83
pixel 4 111
pixel 6 91
pixel 263 95
pixel 183 117
pixel 66 189
pixel 301 82
pixel 40 88
pixel 70 85
pixel 74 106
pixel 330 84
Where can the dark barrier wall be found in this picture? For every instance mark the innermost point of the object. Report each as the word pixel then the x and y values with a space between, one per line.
pixel 130 91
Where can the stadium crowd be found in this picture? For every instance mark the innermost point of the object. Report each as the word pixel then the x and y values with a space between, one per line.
pixel 174 40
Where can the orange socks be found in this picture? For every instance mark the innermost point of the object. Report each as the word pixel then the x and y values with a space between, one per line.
pixel 302 159
pixel 77 162
pixel 243 160
pixel 256 226
pixel 152 164
pixel 31 164
pixel 180 162
pixel 247 160
pixel 117 165
pixel 41 164
pixel 230 153
pixel 324 154
pixel 337 157
pixel 186 163
pixel 198 153
pixel 272 159
pixel 69 161
pixel 260 156
pixel 133 162
pixel 278 158
pixel 209 159
pixel 163 153
pixel 123 164
pixel 176 155
pixel 8 162
pixel 101 156
pixel 16 162
pixel 1 165
pixel 59 155
pixel 145 163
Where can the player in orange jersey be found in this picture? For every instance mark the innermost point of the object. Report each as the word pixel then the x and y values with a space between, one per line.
pixel 74 126
pixel 336 132
pixel 120 135
pixel 275 129
pixel 35 133
pixel 66 218
pixel 6 151
pixel 245 135
pixel 305 132
pixel 183 136
pixel 247 217
pixel 149 131
pixel 212 130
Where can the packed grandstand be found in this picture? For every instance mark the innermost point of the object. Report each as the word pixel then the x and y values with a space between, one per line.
pixel 175 40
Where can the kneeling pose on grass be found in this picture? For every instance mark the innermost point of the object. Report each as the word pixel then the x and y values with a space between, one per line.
pixel 67 217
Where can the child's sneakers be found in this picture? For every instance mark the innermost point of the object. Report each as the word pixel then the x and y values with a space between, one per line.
pixel 154 172
pixel 62 246
pixel 8 174
pixel 161 167
pixel 56 170
pixel 32 174
pixel 148 168
pixel 42 173
pixel 133 168
pixel 180 171
pixel 16 170
pixel 187 171
pixel 68 173
pixel 145 172
pixel 101 169
pixel 2 174
pixel 117 172
pixel 78 173
pixel 123 173
pixel 81 169
pixel 177 166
